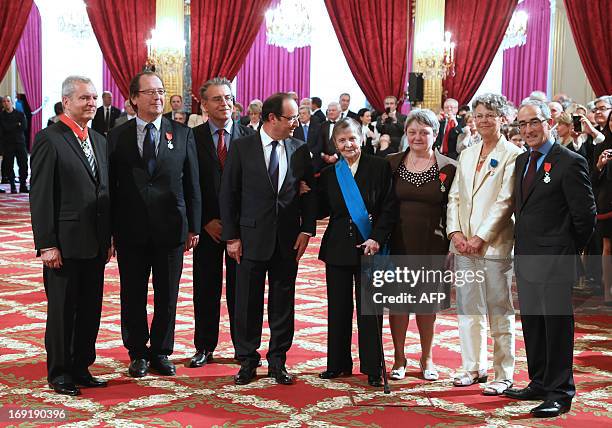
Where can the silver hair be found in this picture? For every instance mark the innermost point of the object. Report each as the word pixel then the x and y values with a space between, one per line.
pixel 304 108
pixel 107 93
pixel 604 98
pixel 494 102
pixel 538 95
pixel 424 117
pixel 452 100
pixel 333 103
pixel 347 123
pixel 590 106
pixel 69 84
pixel 542 105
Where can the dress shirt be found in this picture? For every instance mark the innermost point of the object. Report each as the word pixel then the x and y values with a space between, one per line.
pixel 266 142
pixel 141 132
pixel 214 131
pixel 544 150
pixel 355 166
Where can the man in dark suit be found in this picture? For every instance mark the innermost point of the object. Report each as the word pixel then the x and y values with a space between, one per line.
pixel 176 104
pixel 106 115
pixel 555 217
pixel 308 131
pixel 156 206
pixel 70 207
pixel 450 129
pixel 213 140
pixel 391 122
pixel 316 104
pixel 13 125
pixel 345 102
pixel 325 146
pixel 267 225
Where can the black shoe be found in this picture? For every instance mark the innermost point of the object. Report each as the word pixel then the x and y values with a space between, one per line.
pixel 13 188
pixel 162 366
pixel 281 376
pixel 245 375
pixel 65 388
pixel 23 189
pixel 138 367
pixel 89 381
pixel 332 374
pixel 527 393
pixel 200 359
pixel 551 409
pixel 375 381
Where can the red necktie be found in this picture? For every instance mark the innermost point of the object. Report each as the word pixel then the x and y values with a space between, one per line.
pixel 531 173
pixel 221 149
pixel 450 125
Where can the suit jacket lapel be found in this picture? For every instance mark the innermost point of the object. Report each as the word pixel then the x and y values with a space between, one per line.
pixel 73 142
pixel 162 149
pixel 208 143
pixel 290 148
pixel 471 171
pixel 551 158
pixel 259 154
pixel 495 154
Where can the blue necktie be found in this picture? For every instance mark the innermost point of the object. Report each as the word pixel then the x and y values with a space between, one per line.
pixel 273 166
pixel 305 132
pixel 148 148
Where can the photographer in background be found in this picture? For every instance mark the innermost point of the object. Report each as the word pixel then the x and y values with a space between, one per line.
pixel 13 125
pixel 391 122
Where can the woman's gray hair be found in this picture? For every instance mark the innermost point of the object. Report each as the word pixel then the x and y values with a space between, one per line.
pixel 425 117
pixel 69 84
pixel 542 105
pixel 347 123
pixel 604 98
pixel 494 102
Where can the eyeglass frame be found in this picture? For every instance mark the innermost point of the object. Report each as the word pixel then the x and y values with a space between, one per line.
pixel 536 121
pixel 292 119
pixel 150 92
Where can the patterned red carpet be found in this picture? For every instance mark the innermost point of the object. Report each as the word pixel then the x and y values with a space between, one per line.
pixel 207 396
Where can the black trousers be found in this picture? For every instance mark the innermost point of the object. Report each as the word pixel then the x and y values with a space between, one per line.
pixel 340 280
pixel 12 151
pixel 135 265
pixel 548 330
pixel 250 284
pixel 207 286
pixel 74 296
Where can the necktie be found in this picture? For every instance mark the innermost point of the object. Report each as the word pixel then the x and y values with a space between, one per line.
pixel 531 173
pixel 82 137
pixel 343 115
pixel 107 118
pixel 148 148
pixel 273 166
pixel 91 159
pixel 305 132
pixel 221 148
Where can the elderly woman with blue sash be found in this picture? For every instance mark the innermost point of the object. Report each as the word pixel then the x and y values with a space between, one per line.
pixel 357 195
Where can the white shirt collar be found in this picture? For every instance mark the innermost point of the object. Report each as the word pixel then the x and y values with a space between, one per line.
pixel 141 123
pixel 267 140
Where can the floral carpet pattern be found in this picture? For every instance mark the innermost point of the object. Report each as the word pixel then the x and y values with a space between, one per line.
pixel 208 397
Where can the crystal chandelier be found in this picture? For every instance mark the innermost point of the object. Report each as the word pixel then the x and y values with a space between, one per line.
pixel 166 52
pixel 516 34
pixel 288 25
pixel 436 58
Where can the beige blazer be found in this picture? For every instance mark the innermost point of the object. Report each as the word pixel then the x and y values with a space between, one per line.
pixel 481 203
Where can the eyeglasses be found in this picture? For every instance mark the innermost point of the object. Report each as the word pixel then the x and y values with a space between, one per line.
pixel 532 123
pixel 602 109
pixel 488 116
pixel 150 92
pixel 291 119
pixel 219 99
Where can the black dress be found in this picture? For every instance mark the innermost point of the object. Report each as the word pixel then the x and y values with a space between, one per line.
pixel 602 187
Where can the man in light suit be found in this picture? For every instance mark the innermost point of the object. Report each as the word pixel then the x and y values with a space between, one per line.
pixel 106 115
pixel 267 225
pixel 70 207
pixel 213 140
pixel 156 207
pixel 555 217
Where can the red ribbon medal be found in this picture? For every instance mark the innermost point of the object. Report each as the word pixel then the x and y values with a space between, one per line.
pixel 442 177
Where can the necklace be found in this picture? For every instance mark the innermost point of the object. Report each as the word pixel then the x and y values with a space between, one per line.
pixel 414 166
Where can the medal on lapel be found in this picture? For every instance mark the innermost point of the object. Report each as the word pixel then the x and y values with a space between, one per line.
pixel 547 167
pixel 169 138
pixel 442 177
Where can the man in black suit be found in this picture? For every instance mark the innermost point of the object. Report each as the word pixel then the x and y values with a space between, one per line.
pixel 391 122
pixel 308 131
pixel 316 104
pixel 345 102
pixel 13 125
pixel 70 207
pixel 555 217
pixel 106 115
pixel 325 146
pixel 213 140
pixel 450 129
pixel 156 206
pixel 176 104
pixel 267 225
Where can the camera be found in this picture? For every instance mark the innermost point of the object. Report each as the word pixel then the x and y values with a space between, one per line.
pixel 388 110
pixel 577 123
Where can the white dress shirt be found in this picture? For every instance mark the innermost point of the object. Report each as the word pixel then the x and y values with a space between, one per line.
pixel 141 132
pixel 266 142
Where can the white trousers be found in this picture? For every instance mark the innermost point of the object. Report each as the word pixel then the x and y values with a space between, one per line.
pixel 486 295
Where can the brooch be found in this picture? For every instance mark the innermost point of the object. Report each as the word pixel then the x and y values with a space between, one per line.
pixel 442 177
pixel 547 167
pixel 493 165
pixel 169 138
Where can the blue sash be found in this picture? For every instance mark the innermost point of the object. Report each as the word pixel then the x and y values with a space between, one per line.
pixel 354 202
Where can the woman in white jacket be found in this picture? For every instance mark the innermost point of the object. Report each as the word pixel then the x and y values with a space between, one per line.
pixel 480 226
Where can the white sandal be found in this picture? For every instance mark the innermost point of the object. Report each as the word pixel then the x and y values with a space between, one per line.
pixel 467 379
pixel 399 374
pixel 429 374
pixel 497 388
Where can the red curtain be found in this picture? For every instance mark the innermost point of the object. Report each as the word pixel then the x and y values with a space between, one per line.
pixel 222 33
pixel 13 18
pixel 122 27
pixel 591 24
pixel 478 28
pixel 373 35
